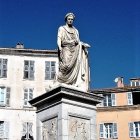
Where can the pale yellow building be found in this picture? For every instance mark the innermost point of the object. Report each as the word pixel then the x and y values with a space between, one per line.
pixel 24 74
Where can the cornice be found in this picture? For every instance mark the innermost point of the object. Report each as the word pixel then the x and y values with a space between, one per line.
pixel 118 108
pixel 60 93
pixel 116 90
pixel 28 52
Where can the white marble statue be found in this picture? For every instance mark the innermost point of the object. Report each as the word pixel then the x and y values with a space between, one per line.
pixel 73 56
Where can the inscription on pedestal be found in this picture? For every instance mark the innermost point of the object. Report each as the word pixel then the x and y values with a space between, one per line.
pixel 79 128
pixel 49 131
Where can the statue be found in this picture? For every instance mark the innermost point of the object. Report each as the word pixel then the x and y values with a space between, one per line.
pixel 73 56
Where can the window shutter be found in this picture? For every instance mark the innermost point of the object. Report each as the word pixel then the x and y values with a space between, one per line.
pixel 131 129
pixel 115 134
pixel 4 68
pixel 102 102
pixel 30 97
pixel 26 69
pixel 53 70
pixel 129 98
pixel 6 130
pixel 24 125
pixel 113 98
pixel 25 96
pixel 47 70
pixel 30 125
pixel 31 69
pixel 8 96
pixel 105 101
pixel 0 71
pixel 1 129
pixel 101 130
pixel 1 97
pixel 0 67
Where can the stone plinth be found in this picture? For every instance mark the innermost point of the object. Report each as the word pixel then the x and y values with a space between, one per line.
pixel 67 114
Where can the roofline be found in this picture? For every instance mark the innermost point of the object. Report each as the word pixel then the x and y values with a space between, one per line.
pixel 28 52
pixel 138 78
pixel 118 108
pixel 116 90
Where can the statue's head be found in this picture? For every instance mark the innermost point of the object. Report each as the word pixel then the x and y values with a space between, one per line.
pixel 69 14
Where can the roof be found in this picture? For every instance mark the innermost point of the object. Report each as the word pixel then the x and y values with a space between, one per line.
pixel 28 52
pixel 116 90
pixel 135 78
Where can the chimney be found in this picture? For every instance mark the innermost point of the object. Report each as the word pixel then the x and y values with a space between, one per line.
pixel 19 46
pixel 119 81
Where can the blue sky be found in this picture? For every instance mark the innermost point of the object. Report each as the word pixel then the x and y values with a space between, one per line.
pixel 111 27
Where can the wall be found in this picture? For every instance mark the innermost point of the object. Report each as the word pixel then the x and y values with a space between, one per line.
pixel 16 114
pixel 121 116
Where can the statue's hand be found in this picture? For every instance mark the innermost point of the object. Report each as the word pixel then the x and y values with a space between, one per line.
pixel 85 45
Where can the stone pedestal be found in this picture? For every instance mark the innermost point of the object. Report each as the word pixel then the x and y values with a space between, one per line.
pixel 67 114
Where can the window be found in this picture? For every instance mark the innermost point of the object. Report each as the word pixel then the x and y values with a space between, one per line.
pixel 135 83
pixel 129 98
pixel 4 96
pixel 27 133
pixel 50 70
pixel 28 95
pixel 133 98
pixel 29 70
pixel 134 129
pixel 3 68
pixel 108 130
pixel 4 130
pixel 109 100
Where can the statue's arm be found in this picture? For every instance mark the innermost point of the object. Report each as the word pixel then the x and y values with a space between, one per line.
pixel 59 38
pixel 59 43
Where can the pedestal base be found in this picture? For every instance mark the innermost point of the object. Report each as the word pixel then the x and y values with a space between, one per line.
pixel 67 114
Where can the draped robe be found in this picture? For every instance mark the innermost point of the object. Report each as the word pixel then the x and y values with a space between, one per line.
pixel 73 62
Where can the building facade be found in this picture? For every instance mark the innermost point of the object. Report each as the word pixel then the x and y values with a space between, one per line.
pixel 118 116
pixel 24 74
pixel 28 73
